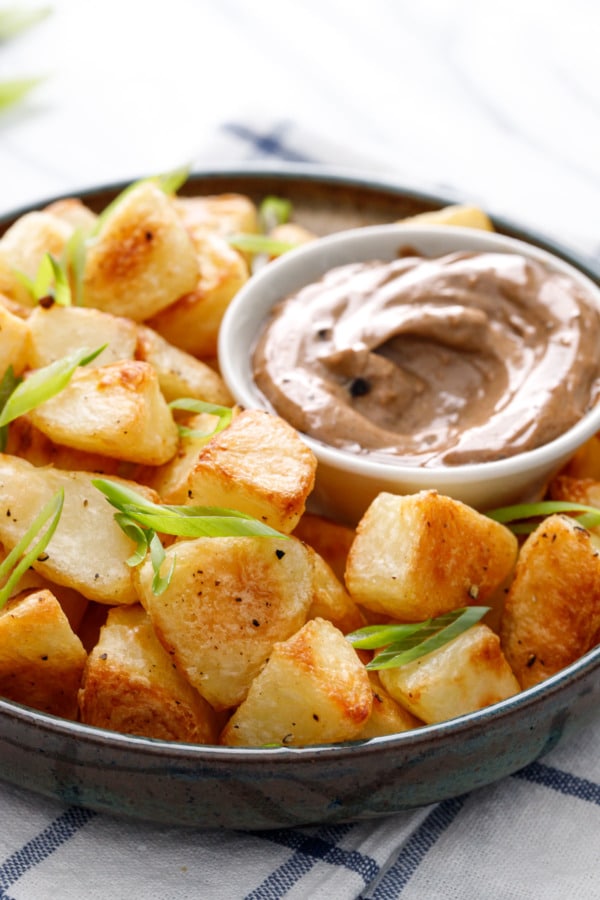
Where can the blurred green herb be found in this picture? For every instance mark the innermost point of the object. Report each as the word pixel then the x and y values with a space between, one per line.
pixel 13 21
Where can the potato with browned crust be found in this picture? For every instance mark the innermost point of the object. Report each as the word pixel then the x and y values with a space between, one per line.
pixel 142 257
pixel 116 410
pixel 313 689
pixel 466 674
pixel 258 465
pixel 228 602
pixel 424 554
pixel 552 611
pixel 41 658
pixel 88 551
pixel 131 685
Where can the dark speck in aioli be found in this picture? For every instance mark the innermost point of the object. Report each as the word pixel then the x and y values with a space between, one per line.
pixel 359 387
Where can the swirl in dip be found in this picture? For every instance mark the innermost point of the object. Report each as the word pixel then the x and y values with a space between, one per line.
pixel 468 357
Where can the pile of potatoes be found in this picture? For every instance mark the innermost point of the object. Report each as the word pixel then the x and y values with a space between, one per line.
pixel 247 645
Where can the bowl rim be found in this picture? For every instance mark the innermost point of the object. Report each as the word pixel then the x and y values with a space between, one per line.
pixel 411 740
pixel 322 254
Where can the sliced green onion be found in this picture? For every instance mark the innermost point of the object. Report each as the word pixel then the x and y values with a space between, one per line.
pixel 188 404
pixel 518 517
pixel 274 211
pixel 74 262
pixel 20 559
pixel 259 243
pixel 51 280
pixel 157 556
pixel 182 521
pixel 404 643
pixel 7 386
pixel 45 383
pixel 14 90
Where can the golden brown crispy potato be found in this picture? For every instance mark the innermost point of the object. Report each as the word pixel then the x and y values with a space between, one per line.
pixel 575 490
pixel 552 612
pixel 192 322
pixel 457 214
pixel 41 659
pixel 74 212
pixel 230 599
pixel 223 214
pixel 179 373
pixel 116 410
pixel 292 233
pixel 585 463
pixel 23 246
pixel 468 673
pixel 131 685
pixel 312 690
pixel 387 715
pixel 142 258
pixel 424 554
pixel 331 540
pixel 88 550
pixel 14 342
pixel 258 465
pixel 31 444
pixel 331 600
pixel 60 330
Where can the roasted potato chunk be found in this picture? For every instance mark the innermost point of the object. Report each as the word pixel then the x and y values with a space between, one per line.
pixel 456 214
pixel 387 715
pixel 88 550
pixel 223 214
pixel 468 673
pixel 131 685
pixel 142 258
pixel 312 690
pixel 14 342
pixel 552 611
pixel 41 659
pixel 23 246
pixel 258 465
pixel 585 463
pixel 424 554
pixel 74 212
pixel 59 330
pixel 192 322
pixel 331 600
pixel 117 410
pixel 29 443
pixel 179 373
pixel 229 600
pixel 330 539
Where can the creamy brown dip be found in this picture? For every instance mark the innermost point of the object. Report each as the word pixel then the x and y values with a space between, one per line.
pixel 463 358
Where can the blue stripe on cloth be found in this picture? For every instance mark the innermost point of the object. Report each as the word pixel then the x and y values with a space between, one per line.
pixel 560 781
pixel 397 876
pixel 309 850
pixel 269 143
pixel 42 846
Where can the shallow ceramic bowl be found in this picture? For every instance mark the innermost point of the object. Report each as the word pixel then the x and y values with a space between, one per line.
pixel 256 789
pixel 346 481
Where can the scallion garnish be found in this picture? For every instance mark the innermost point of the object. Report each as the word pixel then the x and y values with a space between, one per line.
pixel 140 519
pixel 13 90
pixel 188 404
pixel 273 211
pixel 44 383
pixel 51 280
pixel 522 518
pixel 259 243
pixel 22 556
pixel 7 386
pixel 404 643
pixel 74 262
